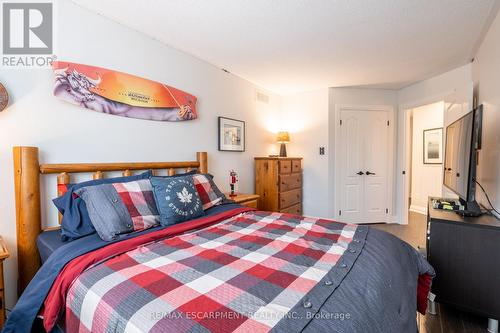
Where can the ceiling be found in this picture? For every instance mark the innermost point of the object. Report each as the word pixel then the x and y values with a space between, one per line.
pixel 288 46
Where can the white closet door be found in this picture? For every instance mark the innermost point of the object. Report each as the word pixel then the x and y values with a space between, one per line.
pixel 364 146
pixel 376 159
pixel 351 155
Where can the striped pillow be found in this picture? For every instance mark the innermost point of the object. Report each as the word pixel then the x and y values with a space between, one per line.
pixel 120 208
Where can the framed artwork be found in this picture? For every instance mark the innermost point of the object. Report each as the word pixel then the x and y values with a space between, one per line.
pixel 433 146
pixel 231 134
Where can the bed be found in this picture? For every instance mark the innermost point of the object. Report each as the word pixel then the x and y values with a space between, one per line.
pixel 236 269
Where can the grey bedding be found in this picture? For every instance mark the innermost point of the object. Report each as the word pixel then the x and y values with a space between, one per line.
pixel 378 294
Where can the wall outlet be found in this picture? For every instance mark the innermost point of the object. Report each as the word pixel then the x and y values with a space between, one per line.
pixel 322 150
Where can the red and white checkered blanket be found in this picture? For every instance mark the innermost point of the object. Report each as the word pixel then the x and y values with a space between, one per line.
pixel 244 274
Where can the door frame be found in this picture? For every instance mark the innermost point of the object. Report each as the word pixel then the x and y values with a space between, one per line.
pixel 451 97
pixel 391 150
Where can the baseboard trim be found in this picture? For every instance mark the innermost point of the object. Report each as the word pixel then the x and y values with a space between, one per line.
pixel 418 209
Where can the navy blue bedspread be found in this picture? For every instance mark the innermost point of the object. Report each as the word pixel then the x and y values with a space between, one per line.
pixel 48 242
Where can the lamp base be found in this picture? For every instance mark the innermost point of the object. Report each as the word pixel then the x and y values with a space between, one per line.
pixel 283 150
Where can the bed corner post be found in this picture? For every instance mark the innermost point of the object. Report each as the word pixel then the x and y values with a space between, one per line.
pixel 202 157
pixel 28 214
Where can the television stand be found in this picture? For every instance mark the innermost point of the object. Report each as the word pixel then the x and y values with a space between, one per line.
pixel 459 206
pixel 465 252
pixel 472 209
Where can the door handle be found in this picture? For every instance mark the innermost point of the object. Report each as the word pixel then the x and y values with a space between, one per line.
pixel 370 173
pixel 360 173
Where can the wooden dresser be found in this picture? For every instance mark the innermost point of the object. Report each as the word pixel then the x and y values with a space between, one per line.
pixel 278 182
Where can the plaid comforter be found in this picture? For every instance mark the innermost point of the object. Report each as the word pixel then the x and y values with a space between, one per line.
pixel 248 273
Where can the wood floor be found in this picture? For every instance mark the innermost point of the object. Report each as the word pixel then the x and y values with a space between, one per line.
pixel 447 319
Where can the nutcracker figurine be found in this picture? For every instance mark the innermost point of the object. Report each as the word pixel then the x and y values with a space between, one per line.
pixel 233 178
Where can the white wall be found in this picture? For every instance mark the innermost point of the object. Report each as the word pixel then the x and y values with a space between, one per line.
pixel 433 89
pixel 66 133
pixel 310 118
pixel 358 97
pixel 305 115
pixel 455 88
pixel 486 73
pixel 426 178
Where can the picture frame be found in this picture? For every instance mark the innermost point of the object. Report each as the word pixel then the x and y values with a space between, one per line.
pixel 231 134
pixel 433 146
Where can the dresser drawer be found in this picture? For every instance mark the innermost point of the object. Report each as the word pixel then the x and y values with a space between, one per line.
pixel 290 182
pixel 296 167
pixel 295 209
pixel 285 166
pixel 290 198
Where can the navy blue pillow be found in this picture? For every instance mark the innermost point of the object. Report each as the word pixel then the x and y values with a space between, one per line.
pixel 76 221
pixel 176 199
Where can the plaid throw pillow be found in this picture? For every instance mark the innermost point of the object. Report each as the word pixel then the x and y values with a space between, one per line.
pixel 76 221
pixel 209 193
pixel 120 208
pixel 139 200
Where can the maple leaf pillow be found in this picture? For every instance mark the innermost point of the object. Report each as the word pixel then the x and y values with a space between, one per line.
pixel 177 199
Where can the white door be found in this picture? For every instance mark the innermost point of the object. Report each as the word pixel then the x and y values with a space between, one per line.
pixel 365 157
pixel 351 155
pixel 376 163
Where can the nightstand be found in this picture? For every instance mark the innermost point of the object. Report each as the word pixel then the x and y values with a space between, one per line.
pixel 4 254
pixel 248 200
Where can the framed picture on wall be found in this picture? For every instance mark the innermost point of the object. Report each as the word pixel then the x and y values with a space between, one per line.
pixel 433 146
pixel 231 134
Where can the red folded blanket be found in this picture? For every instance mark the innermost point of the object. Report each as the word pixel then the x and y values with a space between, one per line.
pixel 424 286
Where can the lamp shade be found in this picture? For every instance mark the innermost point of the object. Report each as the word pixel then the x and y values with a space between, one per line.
pixel 283 137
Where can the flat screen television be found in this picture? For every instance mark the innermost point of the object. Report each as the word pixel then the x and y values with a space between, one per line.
pixel 463 140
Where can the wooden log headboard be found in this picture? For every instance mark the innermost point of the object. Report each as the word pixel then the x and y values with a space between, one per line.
pixel 27 171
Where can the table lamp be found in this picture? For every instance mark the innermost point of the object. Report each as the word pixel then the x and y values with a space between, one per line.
pixel 283 138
